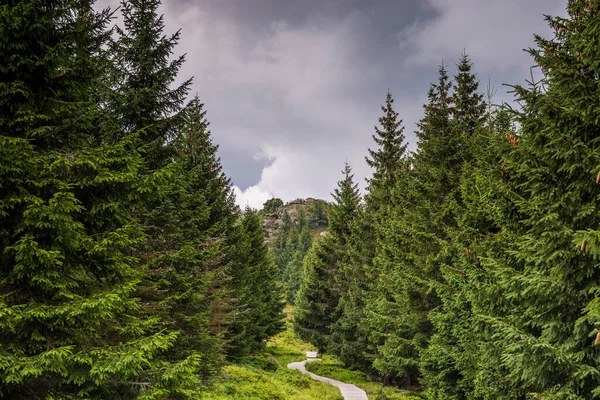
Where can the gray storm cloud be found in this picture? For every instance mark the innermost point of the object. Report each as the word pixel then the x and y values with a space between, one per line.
pixel 293 89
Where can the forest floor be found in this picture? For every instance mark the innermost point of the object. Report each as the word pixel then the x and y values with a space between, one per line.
pixel 265 376
pixel 332 368
pixel 349 391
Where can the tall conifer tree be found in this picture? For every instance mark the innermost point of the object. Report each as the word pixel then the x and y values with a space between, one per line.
pixel 318 296
pixel 351 339
pixel 143 94
pixel 409 245
pixel 451 362
pixel 70 324
pixel 459 361
pixel 188 281
pixel 259 294
pixel 282 247
pixel 387 158
pixel 301 245
pixel 546 316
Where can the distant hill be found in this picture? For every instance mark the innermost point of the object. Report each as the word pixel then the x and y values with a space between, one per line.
pixel 316 211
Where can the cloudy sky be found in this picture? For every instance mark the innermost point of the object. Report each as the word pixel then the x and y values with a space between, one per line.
pixel 294 88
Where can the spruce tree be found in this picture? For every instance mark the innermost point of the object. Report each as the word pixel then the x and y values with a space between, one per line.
pixel 299 247
pixel 187 203
pixel 387 158
pixel 447 361
pixel 410 246
pixel 316 299
pixel 267 292
pixel 395 304
pixel 282 249
pixel 345 207
pixel 187 280
pixel 143 93
pixel 476 368
pixel 468 107
pixel 318 296
pixel 545 316
pixel 198 147
pixel 70 324
pixel 259 294
pixel 351 339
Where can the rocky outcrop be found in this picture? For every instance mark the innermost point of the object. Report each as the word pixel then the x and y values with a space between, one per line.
pixel 270 224
pixel 314 209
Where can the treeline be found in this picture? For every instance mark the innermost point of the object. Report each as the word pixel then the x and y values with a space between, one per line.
pixel 291 244
pixel 470 268
pixel 126 270
pixel 293 238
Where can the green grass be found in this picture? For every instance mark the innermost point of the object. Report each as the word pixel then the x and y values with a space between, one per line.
pixel 265 376
pixel 333 368
pixel 286 347
pixel 242 382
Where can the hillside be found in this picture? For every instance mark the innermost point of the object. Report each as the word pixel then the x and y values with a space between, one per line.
pixel 316 212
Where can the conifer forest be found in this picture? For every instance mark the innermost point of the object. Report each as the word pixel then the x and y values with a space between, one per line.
pixel 468 269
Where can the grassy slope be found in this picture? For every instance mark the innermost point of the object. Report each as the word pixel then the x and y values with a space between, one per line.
pixel 266 376
pixel 333 368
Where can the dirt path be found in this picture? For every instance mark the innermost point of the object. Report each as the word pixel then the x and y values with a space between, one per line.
pixel 349 392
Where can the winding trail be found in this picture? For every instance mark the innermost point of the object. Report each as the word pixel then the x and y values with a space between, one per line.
pixel 349 392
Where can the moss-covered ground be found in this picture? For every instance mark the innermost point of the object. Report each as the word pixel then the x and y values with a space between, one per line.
pixel 265 376
pixel 333 368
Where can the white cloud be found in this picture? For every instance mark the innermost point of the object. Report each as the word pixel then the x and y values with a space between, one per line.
pixel 253 196
pixel 295 173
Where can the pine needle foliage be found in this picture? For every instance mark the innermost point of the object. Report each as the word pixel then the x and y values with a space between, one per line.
pixel 545 321
pixel 388 156
pixel 352 340
pixel 142 92
pixel 70 325
pixel 318 296
pixel 259 296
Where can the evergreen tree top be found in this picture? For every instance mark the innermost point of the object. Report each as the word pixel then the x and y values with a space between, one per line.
pixel 346 187
pixel 389 138
pixel 143 78
pixel 198 154
pixel 437 110
pixel 145 53
pixel 389 154
pixel 468 105
pixel 346 205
